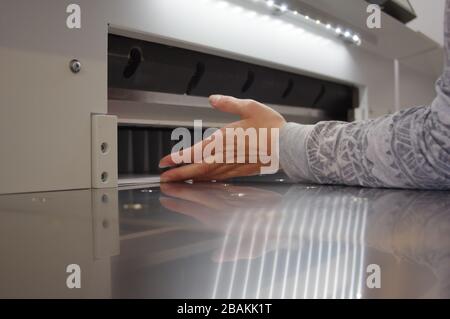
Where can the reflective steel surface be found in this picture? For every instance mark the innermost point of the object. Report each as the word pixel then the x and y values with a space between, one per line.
pixel 215 240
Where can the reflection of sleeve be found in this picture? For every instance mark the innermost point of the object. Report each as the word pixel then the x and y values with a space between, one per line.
pixel 409 149
pixel 414 226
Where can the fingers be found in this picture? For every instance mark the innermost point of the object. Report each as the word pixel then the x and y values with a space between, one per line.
pixel 208 172
pixel 229 104
pixel 187 172
pixel 228 171
pixel 166 161
pixel 196 151
pixel 174 158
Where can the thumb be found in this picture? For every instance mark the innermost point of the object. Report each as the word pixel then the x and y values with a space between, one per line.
pixel 229 104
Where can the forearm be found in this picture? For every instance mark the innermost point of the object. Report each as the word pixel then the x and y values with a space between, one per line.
pixel 409 149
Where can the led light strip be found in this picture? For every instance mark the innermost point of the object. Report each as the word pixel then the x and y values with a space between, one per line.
pixel 344 33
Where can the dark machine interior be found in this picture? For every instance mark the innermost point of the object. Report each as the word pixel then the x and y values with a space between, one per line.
pixel 146 66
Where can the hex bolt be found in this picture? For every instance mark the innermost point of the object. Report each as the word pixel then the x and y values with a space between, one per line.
pixel 104 177
pixel 75 66
pixel 104 148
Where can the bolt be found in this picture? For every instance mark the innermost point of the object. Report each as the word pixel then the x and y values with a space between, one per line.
pixel 75 66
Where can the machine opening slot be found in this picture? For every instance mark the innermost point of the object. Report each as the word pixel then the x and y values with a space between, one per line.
pixel 138 65
pixel 141 147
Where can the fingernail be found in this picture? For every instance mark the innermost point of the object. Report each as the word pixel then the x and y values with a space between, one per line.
pixel 164 166
pixel 215 98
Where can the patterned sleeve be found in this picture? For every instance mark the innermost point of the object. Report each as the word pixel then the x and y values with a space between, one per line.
pixel 409 149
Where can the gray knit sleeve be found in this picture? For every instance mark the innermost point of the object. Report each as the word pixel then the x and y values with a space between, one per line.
pixel 409 149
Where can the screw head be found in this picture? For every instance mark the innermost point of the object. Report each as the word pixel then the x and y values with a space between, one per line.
pixel 75 66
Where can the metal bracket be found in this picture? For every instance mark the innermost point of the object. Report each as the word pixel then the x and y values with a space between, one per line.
pixel 104 151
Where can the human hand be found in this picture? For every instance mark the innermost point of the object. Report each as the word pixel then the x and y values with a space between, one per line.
pixel 254 115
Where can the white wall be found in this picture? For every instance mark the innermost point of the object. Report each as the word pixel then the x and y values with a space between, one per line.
pixel 415 88
pixel 430 18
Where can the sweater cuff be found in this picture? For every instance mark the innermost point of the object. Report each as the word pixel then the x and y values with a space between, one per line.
pixel 293 153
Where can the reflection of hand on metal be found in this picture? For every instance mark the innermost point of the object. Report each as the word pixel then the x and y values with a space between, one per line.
pixel 214 205
pixel 242 213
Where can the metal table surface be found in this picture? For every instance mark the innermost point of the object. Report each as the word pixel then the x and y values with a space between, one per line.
pixel 215 240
